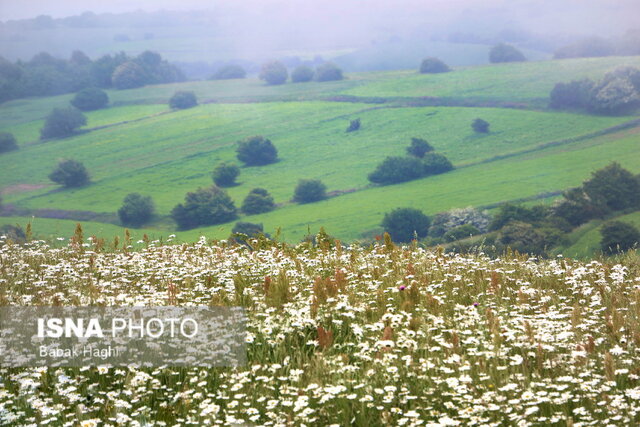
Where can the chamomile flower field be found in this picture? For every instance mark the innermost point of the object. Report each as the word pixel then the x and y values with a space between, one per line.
pixel 342 335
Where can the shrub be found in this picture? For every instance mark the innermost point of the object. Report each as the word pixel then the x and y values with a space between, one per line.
pixel 461 232
pixel 183 99
pixel 522 237
pixel 70 173
pixel 505 53
pixel 309 190
pixel 575 94
pixel 354 125
pixel 433 65
pixel 509 212
pixel 248 228
pixel 614 95
pixel 90 99
pixel 257 201
pixel 256 151
pixel 576 207
pixel 446 221
pixel 419 147
pixel 7 142
pixel 618 236
pixel 14 233
pixel 480 126
pixel 205 206
pixel 225 174
pixel 62 122
pixel 328 72
pixel 393 170
pixel 613 188
pixel 435 163
pixel 136 210
pixel 403 224
pixel 129 75
pixel 302 74
pixel 230 71
pixel 274 73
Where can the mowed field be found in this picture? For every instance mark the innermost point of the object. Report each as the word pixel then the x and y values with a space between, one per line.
pixel 139 144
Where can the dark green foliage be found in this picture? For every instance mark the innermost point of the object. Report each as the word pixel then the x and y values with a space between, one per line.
pixel 433 65
pixel 274 73
pixel 183 99
pixel 136 210
pixel 403 224
pixel 505 53
pixel 129 75
pixel 435 163
pixel 103 68
pixel 257 201
pixel 461 232
pixel 309 191
pixel 225 174
pixel 586 48
pixel 510 212
pixel 617 93
pixel 577 208
pixel 156 70
pixel 522 237
pixel 70 173
pixel 205 206
pixel 613 188
pixel 256 151
pixel 618 237
pixel 7 142
pixel 572 95
pixel 419 147
pixel 14 233
pixel 445 221
pixel 480 126
pixel 229 71
pixel 90 99
pixel 328 72
pixel 248 228
pixel 394 170
pixel 62 122
pixel 354 125
pixel 302 74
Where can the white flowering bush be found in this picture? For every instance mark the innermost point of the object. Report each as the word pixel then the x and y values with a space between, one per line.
pixel 385 335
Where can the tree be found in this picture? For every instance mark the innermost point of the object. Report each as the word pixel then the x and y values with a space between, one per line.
pixel 62 122
pixel 258 201
pixel 302 74
pixel 354 125
pixel 256 151
pixel 136 210
pixel 613 188
pixel 435 163
pixel 403 224
pixel 70 173
pixel 309 191
pixel 183 99
pixel 522 237
pixel 328 72
pixel 394 170
pixel 480 126
pixel 614 95
pixel 419 147
pixel 229 71
pixel 510 212
pixel 225 174
pixel 618 236
pixel 129 75
pixel 274 73
pixel 576 207
pixel 205 206
pixel 575 94
pixel 461 232
pixel 90 99
pixel 505 53
pixel 248 228
pixel 433 65
pixel 7 142
pixel 14 233
pixel 447 221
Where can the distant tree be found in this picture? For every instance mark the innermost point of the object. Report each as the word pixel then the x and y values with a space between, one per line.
pixel 461 232
pixel 618 237
pixel 394 170
pixel 586 48
pixel 435 163
pixel 617 93
pixel 90 99
pixel 258 201
pixel 274 73
pixel 522 237
pixel 205 206
pixel 446 221
pixel 7 142
pixel 433 65
pixel 183 99
pixel 256 151
pixel 403 224
pixel 14 233
pixel 102 69
pixel 229 71
pixel 480 126
pixel 354 125
pixel 70 173
pixel 613 188
pixel 505 53
pixel 309 191
pixel 136 210
pixel 248 228
pixel 419 147
pixel 509 212
pixel 575 94
pixel 302 74
pixel 225 174
pixel 328 72
pixel 62 122
pixel 129 75
pixel 576 207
